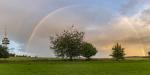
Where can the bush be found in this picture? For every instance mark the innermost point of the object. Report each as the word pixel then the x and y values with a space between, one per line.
pixel 3 52
pixel 88 50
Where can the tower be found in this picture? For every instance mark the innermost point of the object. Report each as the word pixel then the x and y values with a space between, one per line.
pixel 5 40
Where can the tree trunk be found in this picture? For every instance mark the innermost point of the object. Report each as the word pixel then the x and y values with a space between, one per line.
pixel 88 59
pixel 70 58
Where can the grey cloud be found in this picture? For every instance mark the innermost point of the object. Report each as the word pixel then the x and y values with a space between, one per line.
pixel 145 17
pixel 131 6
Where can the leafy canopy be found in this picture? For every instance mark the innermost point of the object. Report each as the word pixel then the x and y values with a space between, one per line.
pixel 68 43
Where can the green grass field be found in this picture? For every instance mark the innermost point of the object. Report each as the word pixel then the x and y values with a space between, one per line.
pixel 28 66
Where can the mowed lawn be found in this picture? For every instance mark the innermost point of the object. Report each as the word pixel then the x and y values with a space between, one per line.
pixel 100 67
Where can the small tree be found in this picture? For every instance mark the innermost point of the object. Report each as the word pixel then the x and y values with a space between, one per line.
pixel 3 52
pixel 118 52
pixel 68 43
pixel 88 50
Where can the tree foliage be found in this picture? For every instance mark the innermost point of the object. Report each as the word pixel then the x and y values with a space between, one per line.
pixel 118 52
pixel 3 52
pixel 88 50
pixel 149 53
pixel 68 43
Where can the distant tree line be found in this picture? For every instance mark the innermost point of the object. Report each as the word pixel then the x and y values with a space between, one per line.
pixel 4 53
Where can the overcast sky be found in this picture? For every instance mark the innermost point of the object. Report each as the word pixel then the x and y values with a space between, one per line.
pixel 105 22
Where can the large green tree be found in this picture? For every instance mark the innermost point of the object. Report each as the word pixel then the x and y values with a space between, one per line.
pixel 118 52
pixel 68 43
pixel 3 52
pixel 88 50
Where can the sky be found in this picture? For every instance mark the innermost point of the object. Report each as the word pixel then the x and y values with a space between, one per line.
pixel 105 22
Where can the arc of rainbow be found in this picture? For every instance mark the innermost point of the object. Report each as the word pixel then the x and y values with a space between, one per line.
pixel 45 18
